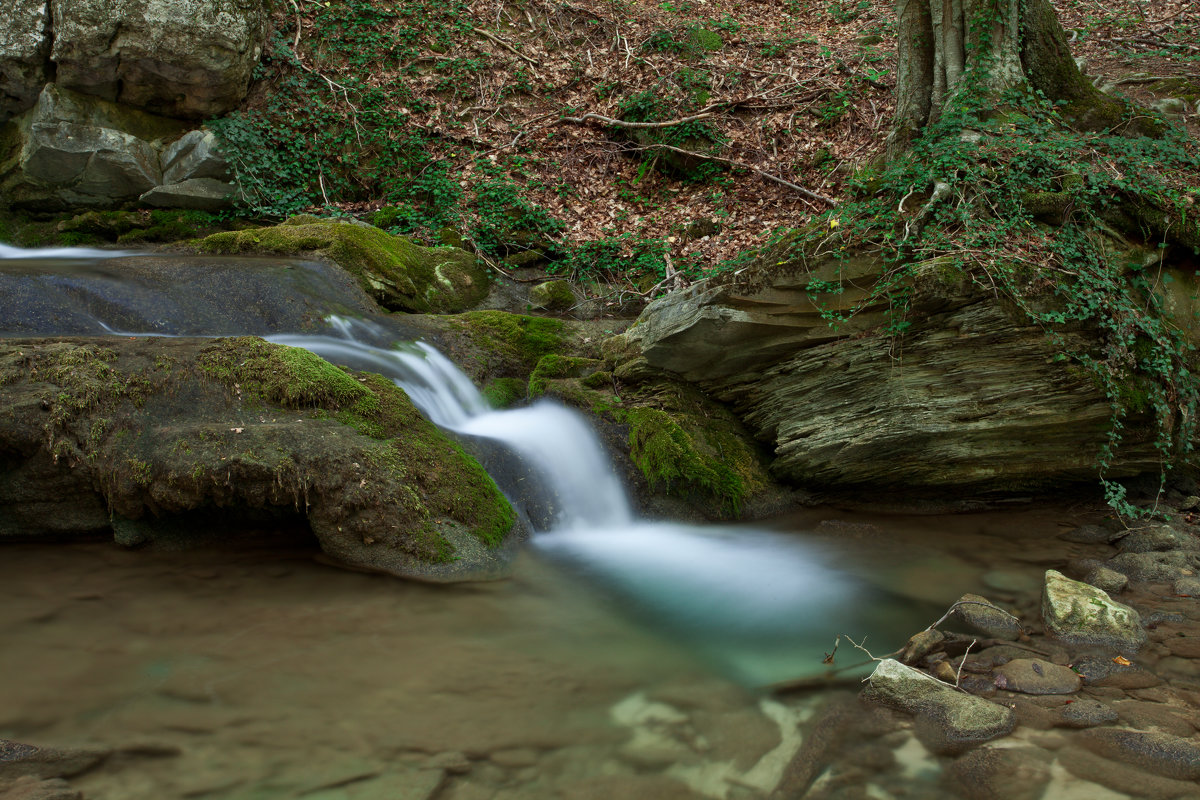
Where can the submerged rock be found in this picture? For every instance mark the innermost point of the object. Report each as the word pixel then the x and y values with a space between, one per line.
pixel 986 617
pixel 962 719
pixel 1035 676
pixel 1077 613
pixel 1160 753
pixel 163 431
pixel 1087 713
pixel 398 274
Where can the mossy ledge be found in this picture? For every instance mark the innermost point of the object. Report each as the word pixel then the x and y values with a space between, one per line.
pixel 399 275
pixel 160 431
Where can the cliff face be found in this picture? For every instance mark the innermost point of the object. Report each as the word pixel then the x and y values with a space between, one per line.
pixel 971 395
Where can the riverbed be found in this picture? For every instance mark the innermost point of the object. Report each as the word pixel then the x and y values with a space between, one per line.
pixel 255 671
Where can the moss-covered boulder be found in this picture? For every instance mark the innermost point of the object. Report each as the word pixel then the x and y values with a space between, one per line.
pixel 400 275
pixel 552 296
pixel 145 437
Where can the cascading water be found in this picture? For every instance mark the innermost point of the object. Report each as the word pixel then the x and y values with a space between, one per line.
pixel 753 601
pixel 745 598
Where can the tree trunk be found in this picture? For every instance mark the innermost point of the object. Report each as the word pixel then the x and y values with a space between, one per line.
pixel 1000 43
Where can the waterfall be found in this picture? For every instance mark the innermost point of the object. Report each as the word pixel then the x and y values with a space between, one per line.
pixel 755 602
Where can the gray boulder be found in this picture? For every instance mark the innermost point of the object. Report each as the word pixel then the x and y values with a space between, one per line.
pixel 180 58
pixel 1155 567
pixel 24 55
pixel 1107 580
pixel 78 151
pixel 194 155
pixel 203 194
pixel 1156 539
pixel 1160 753
pixel 962 719
pixel 1078 613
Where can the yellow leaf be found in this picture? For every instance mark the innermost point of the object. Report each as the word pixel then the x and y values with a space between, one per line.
pixel 833 223
pixel 1123 661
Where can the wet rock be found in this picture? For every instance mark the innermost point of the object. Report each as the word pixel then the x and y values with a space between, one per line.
pixel 30 788
pixel 1087 713
pixel 959 413
pixel 611 786
pixel 986 617
pixel 552 296
pixel 1105 672
pixel 18 760
pixel 1033 676
pixel 1079 614
pixel 24 55
pixel 1183 646
pixel 963 719
pixel 1156 539
pixel 993 773
pixel 1155 567
pixel 1107 580
pixel 180 58
pixel 1156 716
pixel 1187 587
pixel 921 644
pixel 1088 534
pixel 398 274
pixel 1160 753
pixel 1120 777
pixel 249 427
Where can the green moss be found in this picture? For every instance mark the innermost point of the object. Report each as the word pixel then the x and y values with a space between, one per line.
pixel 676 460
pixel 554 366
pixel 400 275
pixel 1183 88
pixel 505 392
pixel 514 337
pixel 289 376
pixel 704 40
pixel 552 295
pixel 598 380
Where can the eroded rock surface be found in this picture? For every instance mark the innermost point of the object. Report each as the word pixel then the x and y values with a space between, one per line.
pixel 24 55
pixel 972 396
pixel 181 58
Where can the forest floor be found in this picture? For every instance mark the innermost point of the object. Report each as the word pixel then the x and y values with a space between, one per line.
pixel 797 96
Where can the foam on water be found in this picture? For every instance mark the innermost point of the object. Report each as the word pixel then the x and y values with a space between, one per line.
pixel 8 251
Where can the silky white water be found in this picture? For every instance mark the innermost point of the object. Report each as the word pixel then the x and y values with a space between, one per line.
pixel 744 598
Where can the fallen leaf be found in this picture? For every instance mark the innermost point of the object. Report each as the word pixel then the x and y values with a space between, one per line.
pixel 1123 661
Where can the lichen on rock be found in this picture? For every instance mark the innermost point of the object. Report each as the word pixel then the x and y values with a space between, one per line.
pixel 1077 613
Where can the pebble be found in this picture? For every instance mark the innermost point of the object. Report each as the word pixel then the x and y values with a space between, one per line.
pixel 1008 773
pixel 1033 676
pixel 1187 587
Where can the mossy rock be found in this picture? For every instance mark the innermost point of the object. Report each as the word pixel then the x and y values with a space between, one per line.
pixel 552 367
pixel 1053 208
pixel 505 392
pixel 509 345
pixel 552 296
pixel 162 431
pixel 398 274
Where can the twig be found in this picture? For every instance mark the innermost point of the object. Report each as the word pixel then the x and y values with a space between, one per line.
pixel 620 123
pixel 959 603
pixel 507 46
pixel 958 675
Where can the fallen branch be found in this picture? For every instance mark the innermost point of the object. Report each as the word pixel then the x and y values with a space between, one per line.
pixel 742 165
pixel 620 123
pixel 507 46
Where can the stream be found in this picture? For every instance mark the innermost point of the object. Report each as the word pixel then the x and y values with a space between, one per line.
pixel 624 658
